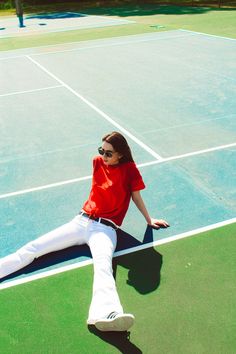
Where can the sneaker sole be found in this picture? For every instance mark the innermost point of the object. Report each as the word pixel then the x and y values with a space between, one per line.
pixel 121 322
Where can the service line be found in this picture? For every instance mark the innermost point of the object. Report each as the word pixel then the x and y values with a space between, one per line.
pixel 141 165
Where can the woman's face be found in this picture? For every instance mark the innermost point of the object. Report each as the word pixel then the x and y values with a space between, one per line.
pixel 114 159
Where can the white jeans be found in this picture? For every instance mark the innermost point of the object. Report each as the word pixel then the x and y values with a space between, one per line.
pixel 101 240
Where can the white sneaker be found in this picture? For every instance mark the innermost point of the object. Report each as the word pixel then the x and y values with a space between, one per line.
pixel 115 322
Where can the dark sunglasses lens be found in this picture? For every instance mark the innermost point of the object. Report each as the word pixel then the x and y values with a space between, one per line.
pixel 101 151
pixel 106 153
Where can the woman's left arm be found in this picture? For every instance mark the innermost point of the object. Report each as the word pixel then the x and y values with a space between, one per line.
pixel 156 223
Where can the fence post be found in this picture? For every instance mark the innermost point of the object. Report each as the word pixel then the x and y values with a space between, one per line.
pixel 19 12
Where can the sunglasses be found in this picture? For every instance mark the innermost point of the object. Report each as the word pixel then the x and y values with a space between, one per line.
pixel 106 153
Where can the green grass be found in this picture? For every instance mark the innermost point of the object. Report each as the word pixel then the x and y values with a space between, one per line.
pixel 147 19
pixel 187 306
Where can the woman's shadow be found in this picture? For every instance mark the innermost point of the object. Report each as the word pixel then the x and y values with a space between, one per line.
pixel 144 274
pixel 144 264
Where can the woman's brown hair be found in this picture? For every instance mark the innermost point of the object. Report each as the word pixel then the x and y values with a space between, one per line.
pixel 120 145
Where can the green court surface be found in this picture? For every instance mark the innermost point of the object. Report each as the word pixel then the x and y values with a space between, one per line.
pixel 182 294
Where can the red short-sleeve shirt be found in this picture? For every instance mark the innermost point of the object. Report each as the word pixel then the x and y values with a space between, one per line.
pixel 111 189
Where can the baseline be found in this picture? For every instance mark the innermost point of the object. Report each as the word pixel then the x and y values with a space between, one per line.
pixel 103 43
pixel 207 34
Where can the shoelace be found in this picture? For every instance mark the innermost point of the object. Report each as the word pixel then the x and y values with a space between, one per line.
pixel 112 315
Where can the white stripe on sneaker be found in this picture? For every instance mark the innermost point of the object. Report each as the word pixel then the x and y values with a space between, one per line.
pixel 115 322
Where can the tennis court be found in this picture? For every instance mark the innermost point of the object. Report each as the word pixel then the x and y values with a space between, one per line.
pixel 47 22
pixel 170 95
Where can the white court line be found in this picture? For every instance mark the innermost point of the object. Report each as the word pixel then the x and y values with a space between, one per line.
pixel 145 164
pixel 119 253
pixel 46 186
pixel 114 44
pixel 207 34
pixel 29 91
pixel 111 19
pixel 103 45
pixel 199 122
pixel 99 111
pixel 200 152
pixel 7 159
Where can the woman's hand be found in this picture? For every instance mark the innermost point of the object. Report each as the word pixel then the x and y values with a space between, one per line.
pixel 157 224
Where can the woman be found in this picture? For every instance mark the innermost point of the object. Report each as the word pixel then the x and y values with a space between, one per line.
pixel 116 180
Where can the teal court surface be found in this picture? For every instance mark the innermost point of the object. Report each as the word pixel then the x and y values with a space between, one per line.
pixel 54 22
pixel 172 94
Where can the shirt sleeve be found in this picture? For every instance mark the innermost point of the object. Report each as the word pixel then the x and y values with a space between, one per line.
pixel 96 162
pixel 136 180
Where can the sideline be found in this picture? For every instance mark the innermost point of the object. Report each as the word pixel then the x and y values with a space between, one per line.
pixel 96 109
pixel 116 254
